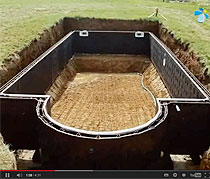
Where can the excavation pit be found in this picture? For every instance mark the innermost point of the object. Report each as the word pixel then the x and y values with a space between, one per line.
pixel 106 92
pixel 85 105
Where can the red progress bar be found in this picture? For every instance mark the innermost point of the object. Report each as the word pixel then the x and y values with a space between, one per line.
pixel 27 170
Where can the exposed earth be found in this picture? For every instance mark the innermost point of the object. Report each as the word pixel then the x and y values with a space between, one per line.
pixel 107 101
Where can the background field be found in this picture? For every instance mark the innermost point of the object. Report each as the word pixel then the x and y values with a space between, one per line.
pixel 23 20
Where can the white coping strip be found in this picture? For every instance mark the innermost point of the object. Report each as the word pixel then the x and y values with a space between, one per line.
pixel 29 96
pixel 187 100
pixel 23 96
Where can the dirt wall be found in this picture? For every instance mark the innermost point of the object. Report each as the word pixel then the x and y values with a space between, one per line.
pixel 110 24
pixel 7 158
pixel 111 63
pixel 59 86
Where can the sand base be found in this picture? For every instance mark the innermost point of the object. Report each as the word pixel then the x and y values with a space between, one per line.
pixel 106 101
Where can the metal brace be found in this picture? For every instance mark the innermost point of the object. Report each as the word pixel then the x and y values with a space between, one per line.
pixel 139 34
pixel 83 33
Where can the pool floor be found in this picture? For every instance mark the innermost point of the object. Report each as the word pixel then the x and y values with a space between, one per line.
pixel 108 101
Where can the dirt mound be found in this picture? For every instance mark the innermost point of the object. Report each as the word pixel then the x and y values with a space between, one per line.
pixel 7 158
pixel 205 162
pixel 154 83
pixel 59 86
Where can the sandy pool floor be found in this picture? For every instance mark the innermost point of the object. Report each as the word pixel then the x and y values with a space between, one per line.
pixel 104 102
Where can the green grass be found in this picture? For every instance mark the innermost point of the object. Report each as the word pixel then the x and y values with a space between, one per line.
pixel 23 20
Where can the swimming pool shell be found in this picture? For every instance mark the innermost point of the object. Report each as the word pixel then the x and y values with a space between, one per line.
pixel 181 124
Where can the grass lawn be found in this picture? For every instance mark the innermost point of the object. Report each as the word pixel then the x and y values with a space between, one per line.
pixel 23 20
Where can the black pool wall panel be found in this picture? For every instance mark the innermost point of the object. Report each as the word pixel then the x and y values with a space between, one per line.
pixel 112 43
pixel 187 129
pixel 25 125
pixel 42 75
pixel 20 124
pixel 175 78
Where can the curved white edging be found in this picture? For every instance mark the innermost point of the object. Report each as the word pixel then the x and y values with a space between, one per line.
pixel 117 133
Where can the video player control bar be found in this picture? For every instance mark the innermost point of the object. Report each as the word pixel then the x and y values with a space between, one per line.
pixel 104 174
